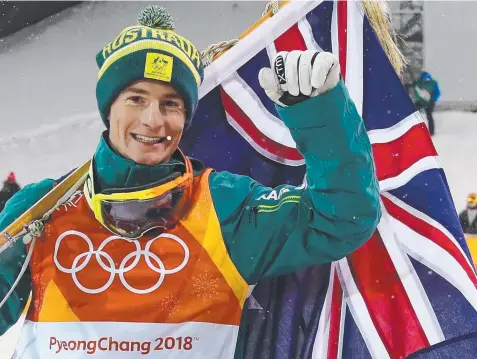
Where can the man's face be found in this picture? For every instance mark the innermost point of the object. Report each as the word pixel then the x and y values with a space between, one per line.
pixel 141 119
pixel 472 202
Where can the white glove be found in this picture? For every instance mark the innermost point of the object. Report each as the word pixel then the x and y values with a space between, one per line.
pixel 299 75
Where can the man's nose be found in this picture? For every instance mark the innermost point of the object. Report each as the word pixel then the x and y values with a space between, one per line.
pixel 153 117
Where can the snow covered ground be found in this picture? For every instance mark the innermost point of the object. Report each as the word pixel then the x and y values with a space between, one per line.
pixel 456 144
pixel 50 150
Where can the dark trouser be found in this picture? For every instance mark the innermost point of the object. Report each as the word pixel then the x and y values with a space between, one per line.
pixel 429 108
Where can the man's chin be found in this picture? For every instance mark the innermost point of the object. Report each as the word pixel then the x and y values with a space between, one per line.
pixel 151 160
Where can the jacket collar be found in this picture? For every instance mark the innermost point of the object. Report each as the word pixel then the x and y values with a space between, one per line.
pixel 111 170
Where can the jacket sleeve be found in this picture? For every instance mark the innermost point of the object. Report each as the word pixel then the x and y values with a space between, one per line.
pixel 271 232
pixel 463 221
pixel 436 93
pixel 13 258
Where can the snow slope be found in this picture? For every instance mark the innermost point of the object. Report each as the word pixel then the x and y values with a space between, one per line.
pixel 48 70
pixel 456 145
pixel 50 150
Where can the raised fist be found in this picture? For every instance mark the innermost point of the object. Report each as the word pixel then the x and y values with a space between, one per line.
pixel 298 75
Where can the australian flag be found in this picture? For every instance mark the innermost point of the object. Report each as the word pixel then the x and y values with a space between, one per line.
pixel 410 291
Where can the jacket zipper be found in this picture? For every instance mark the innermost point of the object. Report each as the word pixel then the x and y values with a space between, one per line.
pixel 253 213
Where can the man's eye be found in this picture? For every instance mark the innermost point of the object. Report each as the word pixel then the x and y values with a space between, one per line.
pixel 136 99
pixel 171 104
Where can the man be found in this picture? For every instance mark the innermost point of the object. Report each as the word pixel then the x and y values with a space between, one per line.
pixel 157 253
pixel 427 92
pixel 468 222
pixel 10 187
pixel 468 217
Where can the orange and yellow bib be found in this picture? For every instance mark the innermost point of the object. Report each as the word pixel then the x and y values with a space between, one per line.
pixel 96 295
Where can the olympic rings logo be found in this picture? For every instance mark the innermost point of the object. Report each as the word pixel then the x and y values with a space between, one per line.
pixel 110 266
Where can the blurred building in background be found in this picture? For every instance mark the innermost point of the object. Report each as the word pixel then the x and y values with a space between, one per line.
pixel 439 37
pixel 407 21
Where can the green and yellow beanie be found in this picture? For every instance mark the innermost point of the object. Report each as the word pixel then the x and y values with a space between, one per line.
pixel 149 50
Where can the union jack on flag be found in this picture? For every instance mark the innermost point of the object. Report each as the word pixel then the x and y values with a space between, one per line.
pixel 410 291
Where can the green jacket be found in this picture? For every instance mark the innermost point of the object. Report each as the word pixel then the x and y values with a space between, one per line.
pixel 268 232
pixel 428 84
